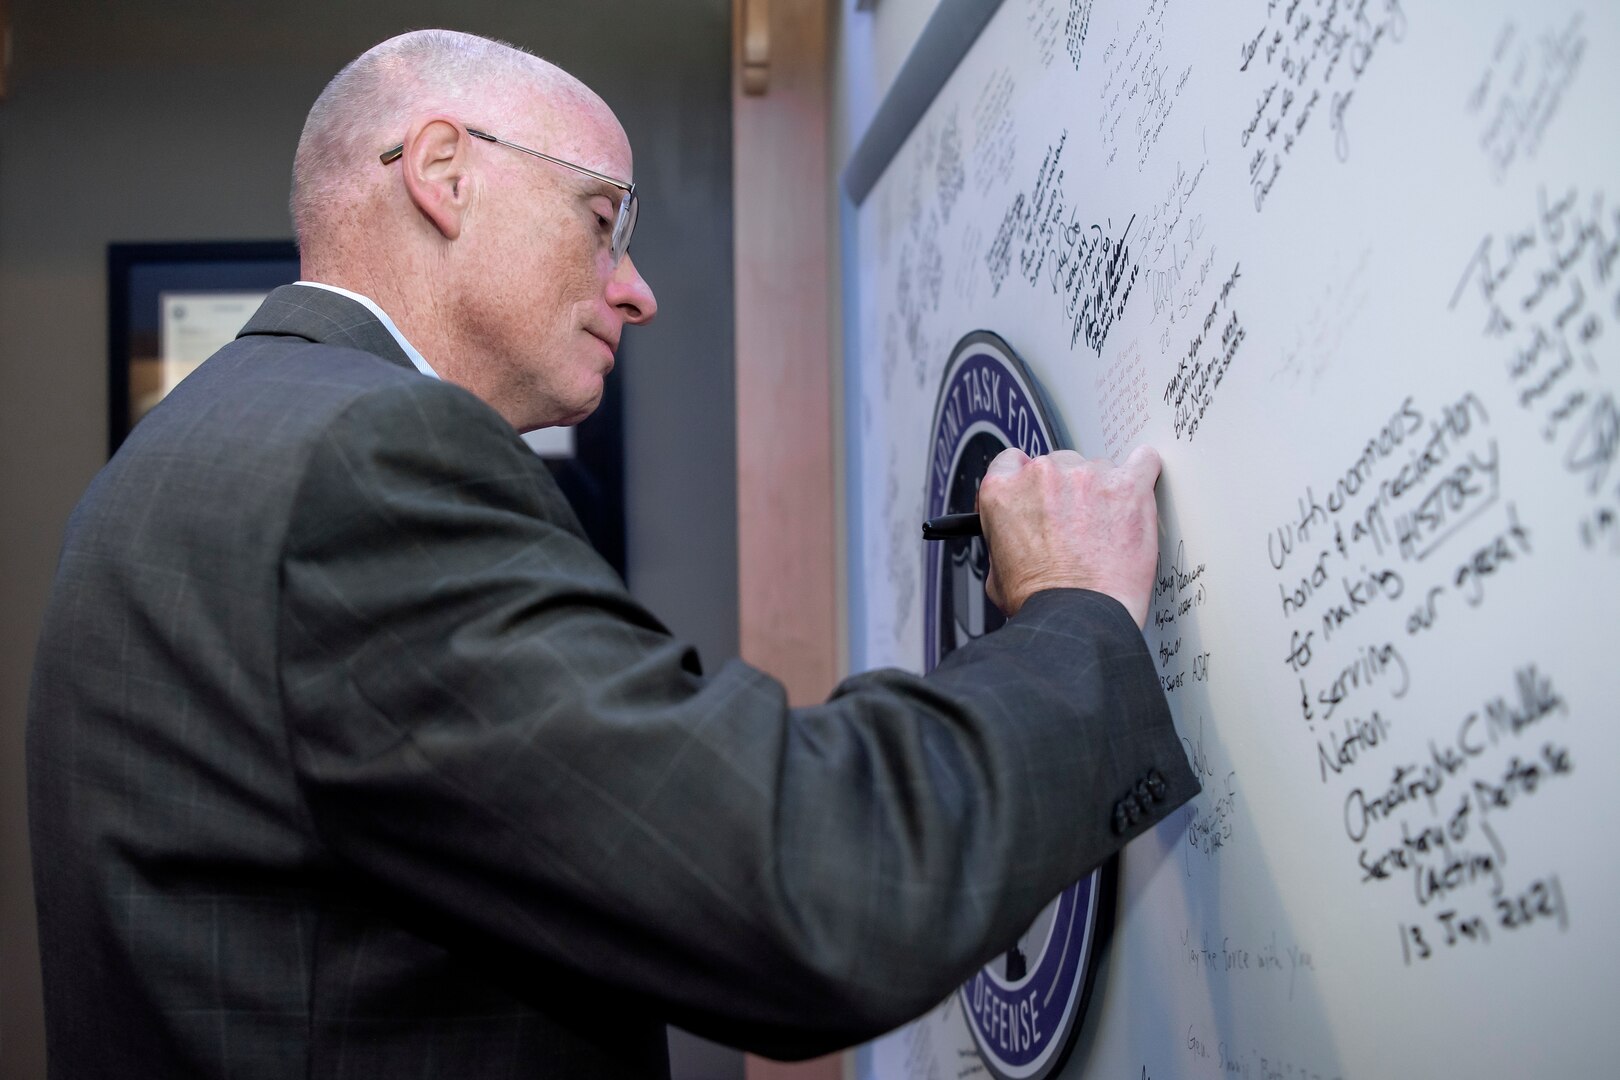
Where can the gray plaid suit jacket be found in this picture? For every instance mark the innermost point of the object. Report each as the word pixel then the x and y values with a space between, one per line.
pixel 350 758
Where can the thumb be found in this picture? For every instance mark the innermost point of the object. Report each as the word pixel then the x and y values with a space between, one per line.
pixel 992 589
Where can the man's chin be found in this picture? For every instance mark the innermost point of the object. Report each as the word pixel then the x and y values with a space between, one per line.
pixel 567 414
pixel 586 407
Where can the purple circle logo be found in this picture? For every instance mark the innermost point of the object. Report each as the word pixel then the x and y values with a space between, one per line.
pixel 1024 1010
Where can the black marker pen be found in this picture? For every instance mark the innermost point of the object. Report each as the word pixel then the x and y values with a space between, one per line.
pixel 952 527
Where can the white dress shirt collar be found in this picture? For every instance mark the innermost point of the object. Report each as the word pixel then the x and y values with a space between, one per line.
pixel 382 316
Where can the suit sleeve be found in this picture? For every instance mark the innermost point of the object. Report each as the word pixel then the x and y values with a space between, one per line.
pixel 488 726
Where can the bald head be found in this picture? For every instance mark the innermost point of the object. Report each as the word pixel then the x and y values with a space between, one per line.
pixel 366 107
pixel 495 254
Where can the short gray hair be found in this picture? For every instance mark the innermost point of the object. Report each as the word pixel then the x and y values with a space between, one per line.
pixel 367 106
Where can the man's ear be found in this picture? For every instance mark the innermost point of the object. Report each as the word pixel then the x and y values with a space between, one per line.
pixel 436 164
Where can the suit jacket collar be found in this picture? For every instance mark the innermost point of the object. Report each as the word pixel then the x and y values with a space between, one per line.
pixel 325 318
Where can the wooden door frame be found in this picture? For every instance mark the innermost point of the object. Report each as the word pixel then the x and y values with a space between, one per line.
pixel 788 523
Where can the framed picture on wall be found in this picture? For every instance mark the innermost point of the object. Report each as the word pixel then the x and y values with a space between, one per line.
pixel 170 306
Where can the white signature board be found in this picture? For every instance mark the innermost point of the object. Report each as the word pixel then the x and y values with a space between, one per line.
pixel 1354 270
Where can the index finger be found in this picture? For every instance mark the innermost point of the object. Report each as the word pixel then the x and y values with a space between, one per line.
pixel 1008 461
pixel 1144 465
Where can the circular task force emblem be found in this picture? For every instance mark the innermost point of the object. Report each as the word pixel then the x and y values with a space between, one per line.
pixel 1025 1009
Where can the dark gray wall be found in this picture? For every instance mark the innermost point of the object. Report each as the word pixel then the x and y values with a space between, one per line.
pixel 176 120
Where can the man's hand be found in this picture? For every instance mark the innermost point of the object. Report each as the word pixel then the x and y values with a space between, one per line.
pixel 1062 522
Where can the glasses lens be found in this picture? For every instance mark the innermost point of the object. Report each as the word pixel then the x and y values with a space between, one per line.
pixel 624 226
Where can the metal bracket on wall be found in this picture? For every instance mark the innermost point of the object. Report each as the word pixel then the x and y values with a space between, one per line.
pixel 756 46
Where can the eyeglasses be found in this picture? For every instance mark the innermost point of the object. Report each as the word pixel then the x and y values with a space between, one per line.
pixel 623 224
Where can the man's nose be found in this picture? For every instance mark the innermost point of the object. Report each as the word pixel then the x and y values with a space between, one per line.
pixel 630 293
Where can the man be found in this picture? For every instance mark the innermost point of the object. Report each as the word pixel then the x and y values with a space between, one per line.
pixel 348 757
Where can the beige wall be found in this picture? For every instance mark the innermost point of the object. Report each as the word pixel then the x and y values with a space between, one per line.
pixel 175 120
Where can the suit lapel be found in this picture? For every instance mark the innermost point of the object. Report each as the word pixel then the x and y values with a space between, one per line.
pixel 325 318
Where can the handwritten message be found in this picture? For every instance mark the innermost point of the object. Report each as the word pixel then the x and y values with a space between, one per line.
pixel 902 559
pixel 1407 542
pixel 1122 398
pixel 1044 20
pixel 995 136
pixel 1224 1057
pixel 1546 294
pixel 1180 586
pixel 1307 60
pixel 1088 266
pixel 1519 92
pixel 1058 24
pixel 1180 259
pixel 1075 27
pixel 950 174
pixel 1205 361
pixel 1211 818
pixel 1228 956
pixel 1140 90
